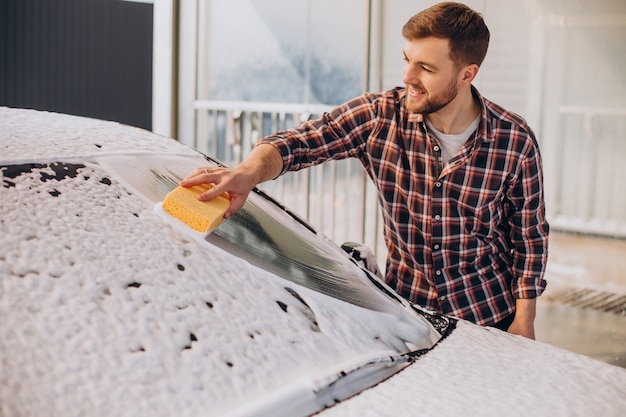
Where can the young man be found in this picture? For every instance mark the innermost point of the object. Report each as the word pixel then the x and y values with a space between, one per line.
pixel 459 178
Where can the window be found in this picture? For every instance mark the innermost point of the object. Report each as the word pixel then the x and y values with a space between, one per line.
pixel 292 51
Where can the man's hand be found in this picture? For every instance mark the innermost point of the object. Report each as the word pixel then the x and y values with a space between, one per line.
pixel 232 181
pixel 264 163
pixel 524 321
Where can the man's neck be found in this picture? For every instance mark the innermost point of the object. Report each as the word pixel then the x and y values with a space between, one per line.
pixel 457 115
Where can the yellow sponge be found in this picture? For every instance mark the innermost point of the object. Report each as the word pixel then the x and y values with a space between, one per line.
pixel 203 216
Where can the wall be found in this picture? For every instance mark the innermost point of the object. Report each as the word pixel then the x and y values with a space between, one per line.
pixel 84 57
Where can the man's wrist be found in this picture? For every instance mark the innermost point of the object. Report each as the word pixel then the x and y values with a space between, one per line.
pixel 263 164
pixel 526 309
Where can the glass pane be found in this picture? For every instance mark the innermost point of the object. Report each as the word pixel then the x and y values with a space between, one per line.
pixel 297 51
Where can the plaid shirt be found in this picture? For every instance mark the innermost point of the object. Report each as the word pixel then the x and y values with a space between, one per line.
pixel 464 238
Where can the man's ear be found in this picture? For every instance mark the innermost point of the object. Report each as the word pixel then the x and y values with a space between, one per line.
pixel 469 73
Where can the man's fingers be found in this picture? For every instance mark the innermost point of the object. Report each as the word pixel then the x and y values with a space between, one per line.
pixel 204 175
pixel 224 183
pixel 212 193
pixel 235 204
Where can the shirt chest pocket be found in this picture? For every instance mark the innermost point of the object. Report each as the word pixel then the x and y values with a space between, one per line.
pixel 477 199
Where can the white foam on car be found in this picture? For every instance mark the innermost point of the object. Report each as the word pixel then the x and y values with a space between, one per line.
pixel 105 310
pixel 108 310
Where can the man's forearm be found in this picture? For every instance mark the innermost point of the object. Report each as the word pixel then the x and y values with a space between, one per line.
pixel 265 162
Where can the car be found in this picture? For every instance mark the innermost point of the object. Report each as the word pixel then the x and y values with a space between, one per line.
pixel 110 307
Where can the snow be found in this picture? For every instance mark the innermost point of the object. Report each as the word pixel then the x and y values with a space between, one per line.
pixel 108 310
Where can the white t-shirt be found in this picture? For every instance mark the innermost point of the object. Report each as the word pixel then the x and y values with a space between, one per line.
pixel 451 144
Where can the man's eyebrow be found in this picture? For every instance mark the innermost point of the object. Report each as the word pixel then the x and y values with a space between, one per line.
pixel 428 64
pixel 424 63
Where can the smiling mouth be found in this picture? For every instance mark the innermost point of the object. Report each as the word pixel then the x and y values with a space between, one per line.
pixel 415 92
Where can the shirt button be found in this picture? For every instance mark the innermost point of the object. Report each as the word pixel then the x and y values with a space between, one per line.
pixel 436 247
pixel 438 184
pixel 437 217
pixel 438 272
pixel 436 148
pixel 442 298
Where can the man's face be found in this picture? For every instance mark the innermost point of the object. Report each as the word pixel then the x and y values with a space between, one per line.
pixel 430 75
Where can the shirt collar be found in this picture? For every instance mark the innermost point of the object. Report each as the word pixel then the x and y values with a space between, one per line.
pixel 485 131
pixel 485 128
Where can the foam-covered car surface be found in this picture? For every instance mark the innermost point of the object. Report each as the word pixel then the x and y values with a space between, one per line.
pixel 109 308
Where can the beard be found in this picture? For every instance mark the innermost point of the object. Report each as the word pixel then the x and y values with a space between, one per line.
pixel 434 103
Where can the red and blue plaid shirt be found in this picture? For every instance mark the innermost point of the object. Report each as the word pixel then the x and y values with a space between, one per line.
pixel 464 238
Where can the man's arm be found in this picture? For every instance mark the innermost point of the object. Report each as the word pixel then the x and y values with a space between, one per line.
pixel 264 163
pixel 524 322
pixel 530 238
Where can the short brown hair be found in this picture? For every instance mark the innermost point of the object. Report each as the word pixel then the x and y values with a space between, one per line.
pixel 462 26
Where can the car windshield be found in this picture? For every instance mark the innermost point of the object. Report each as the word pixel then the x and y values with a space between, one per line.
pixel 262 232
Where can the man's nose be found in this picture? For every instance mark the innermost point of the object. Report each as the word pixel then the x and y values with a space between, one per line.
pixel 410 75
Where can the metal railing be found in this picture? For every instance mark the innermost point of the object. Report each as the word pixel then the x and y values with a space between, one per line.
pixel 585 164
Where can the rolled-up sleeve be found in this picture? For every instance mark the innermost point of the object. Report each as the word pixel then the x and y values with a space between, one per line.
pixel 338 134
pixel 529 228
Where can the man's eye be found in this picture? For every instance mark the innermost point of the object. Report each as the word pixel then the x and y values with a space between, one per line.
pixel 426 69
pixel 405 59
